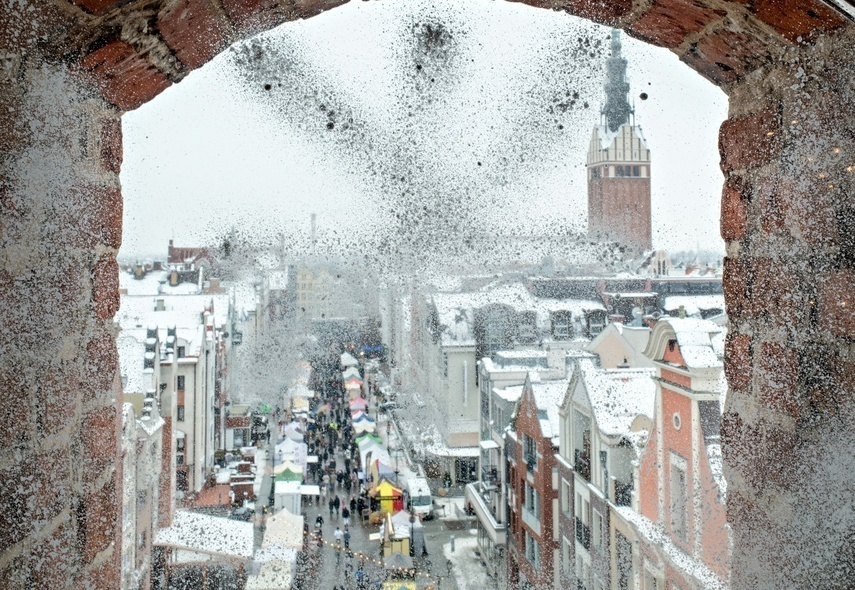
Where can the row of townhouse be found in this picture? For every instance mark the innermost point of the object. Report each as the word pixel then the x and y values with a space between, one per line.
pixel 606 477
pixel 439 337
pixel 174 345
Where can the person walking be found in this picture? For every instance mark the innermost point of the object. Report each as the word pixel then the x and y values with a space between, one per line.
pixel 346 538
pixel 345 515
pixel 319 521
pixel 331 505
pixel 337 505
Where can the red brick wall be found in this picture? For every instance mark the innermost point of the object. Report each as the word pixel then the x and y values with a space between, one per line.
pixel 527 424
pixel 619 209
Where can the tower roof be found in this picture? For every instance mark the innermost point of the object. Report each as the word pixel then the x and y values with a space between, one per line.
pixel 617 109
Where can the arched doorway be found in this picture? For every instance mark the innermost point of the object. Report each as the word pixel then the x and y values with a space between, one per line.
pixel 71 68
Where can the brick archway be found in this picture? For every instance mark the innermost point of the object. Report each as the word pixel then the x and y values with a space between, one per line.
pixel 71 67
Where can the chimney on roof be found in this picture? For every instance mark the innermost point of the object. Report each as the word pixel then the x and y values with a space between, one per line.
pixel 148 403
pixel 556 361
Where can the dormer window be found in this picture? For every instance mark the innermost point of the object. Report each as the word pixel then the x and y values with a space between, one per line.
pixel 672 344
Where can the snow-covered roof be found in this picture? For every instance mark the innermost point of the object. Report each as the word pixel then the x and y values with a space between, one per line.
pixel 154 283
pixel 682 561
pixel 701 342
pixel 547 398
pixel 273 574
pixel 512 393
pixel 433 444
pixel 693 304
pixel 183 312
pixel 456 310
pixel 284 529
pixel 207 534
pixel 618 396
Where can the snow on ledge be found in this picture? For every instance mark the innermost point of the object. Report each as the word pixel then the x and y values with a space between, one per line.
pixel 202 533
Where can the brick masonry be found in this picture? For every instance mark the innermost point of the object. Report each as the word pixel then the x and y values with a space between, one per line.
pixel 74 66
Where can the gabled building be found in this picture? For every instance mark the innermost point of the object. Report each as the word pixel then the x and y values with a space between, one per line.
pixel 143 465
pixel 500 383
pixel 606 418
pixel 621 346
pixel 531 445
pixel 189 334
pixel 680 526
pixel 446 335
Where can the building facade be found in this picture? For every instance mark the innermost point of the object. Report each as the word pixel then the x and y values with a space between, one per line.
pixel 531 445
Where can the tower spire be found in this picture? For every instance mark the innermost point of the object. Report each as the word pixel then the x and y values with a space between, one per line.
pixel 617 109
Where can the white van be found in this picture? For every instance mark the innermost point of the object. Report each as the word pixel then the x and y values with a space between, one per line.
pixel 420 500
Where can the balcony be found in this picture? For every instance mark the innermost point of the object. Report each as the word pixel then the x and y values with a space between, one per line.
pixel 530 462
pixel 582 464
pixel 484 510
pixel 490 477
pixel 623 493
pixel 583 534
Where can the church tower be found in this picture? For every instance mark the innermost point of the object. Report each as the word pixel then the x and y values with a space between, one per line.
pixel 618 166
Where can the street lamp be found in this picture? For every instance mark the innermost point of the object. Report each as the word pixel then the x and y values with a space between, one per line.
pixel 395 453
pixel 412 540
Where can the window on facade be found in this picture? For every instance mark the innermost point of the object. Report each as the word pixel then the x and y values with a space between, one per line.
pixel 582 521
pixel 566 498
pixel 181 381
pixel 597 530
pixel 596 323
pixel 531 501
pixel 566 552
pixel 582 444
pixel 181 352
pixel 180 413
pixel 527 332
pixel 532 550
pixel 562 325
pixel 623 549
pixel 530 452
pixel 583 574
pixel 678 502
pixel 179 451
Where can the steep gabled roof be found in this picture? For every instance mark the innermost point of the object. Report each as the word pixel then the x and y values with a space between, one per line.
pixel 617 396
pixel 701 342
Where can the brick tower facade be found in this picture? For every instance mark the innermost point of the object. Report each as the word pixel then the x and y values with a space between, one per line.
pixel 618 166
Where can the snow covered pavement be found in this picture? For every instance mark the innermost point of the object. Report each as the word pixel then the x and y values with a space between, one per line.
pixel 468 570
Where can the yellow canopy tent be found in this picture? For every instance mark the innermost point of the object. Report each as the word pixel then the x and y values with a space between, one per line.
pixel 390 497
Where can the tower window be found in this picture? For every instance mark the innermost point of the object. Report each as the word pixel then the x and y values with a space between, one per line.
pixel 636 171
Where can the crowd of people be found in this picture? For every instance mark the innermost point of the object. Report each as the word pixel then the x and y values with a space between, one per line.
pixel 330 437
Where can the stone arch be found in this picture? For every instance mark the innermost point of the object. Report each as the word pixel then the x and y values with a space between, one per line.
pixel 71 67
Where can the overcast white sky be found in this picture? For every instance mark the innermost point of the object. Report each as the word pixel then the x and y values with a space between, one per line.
pixel 475 147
